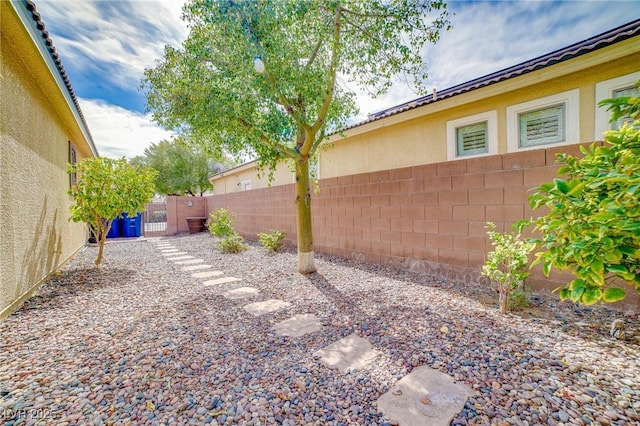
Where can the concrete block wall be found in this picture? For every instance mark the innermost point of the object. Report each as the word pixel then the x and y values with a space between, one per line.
pixel 179 208
pixel 428 218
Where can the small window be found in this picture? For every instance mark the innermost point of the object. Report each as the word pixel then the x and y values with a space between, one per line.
pixel 544 122
pixel 472 139
pixel 630 91
pixel 612 88
pixel 543 126
pixel 73 177
pixel 472 136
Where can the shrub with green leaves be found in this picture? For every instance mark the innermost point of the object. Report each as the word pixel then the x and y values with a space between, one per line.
pixel 106 188
pixel 273 240
pixel 232 243
pixel 593 225
pixel 221 223
pixel 507 265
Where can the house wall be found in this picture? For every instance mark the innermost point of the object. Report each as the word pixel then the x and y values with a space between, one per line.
pixel 36 127
pixel 232 180
pixel 419 136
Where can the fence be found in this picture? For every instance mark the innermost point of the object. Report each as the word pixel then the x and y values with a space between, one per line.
pixel 154 219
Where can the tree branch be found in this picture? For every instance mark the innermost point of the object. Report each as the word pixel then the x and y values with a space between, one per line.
pixel 326 103
pixel 287 152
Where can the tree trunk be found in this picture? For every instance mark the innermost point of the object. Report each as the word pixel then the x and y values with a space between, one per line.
pixel 504 297
pixel 103 229
pixel 303 212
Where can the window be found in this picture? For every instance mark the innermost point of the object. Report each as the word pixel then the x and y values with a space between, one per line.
pixel 630 91
pixel 615 87
pixel 543 126
pixel 549 121
pixel 245 185
pixel 472 139
pixel 73 177
pixel 472 136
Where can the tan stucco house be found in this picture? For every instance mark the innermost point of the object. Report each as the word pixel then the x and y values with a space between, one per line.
pixel 42 129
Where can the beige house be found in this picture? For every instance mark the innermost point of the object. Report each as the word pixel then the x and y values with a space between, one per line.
pixel 42 129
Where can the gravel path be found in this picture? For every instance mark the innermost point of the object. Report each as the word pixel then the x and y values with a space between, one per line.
pixel 141 341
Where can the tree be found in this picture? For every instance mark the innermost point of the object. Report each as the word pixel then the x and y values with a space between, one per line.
pixel 266 78
pixel 507 265
pixel 105 189
pixel 593 225
pixel 182 169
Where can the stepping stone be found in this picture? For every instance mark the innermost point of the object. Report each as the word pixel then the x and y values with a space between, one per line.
pixel 223 280
pixel 196 267
pixel 271 305
pixel 181 258
pixel 189 262
pixel 424 397
pixel 207 274
pixel 350 352
pixel 298 325
pixel 177 253
pixel 241 293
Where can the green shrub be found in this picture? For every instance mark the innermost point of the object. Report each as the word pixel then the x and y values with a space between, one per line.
pixel 592 225
pixel 233 243
pixel 508 264
pixel 221 223
pixel 273 240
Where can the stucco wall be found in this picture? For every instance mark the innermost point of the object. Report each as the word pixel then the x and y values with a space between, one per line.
pixel 36 236
pixel 232 180
pixel 419 136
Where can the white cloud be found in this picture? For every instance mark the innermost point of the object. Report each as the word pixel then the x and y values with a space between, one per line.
pixel 118 132
pixel 116 39
pixel 493 35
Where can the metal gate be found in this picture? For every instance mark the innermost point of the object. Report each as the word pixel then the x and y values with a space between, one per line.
pixel 154 219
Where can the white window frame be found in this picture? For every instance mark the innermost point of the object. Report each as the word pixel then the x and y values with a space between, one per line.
pixel 604 90
pixel 245 185
pixel 571 101
pixel 490 117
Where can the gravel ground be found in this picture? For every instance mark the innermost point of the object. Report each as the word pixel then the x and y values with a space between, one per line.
pixel 140 341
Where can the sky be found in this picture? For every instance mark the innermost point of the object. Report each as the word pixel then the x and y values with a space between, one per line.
pixel 105 45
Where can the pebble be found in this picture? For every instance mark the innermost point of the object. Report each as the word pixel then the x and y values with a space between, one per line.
pixel 140 341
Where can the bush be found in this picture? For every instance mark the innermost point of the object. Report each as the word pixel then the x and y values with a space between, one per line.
pixel 233 243
pixel 592 225
pixel 507 265
pixel 221 223
pixel 273 240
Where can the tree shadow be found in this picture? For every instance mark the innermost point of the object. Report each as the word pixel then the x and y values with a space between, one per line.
pixel 76 282
pixel 43 253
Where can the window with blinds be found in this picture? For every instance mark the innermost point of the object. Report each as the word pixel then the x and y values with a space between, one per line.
pixel 472 140
pixel 631 91
pixel 543 126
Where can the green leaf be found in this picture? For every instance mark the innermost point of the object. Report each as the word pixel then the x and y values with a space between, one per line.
pixel 561 185
pixel 617 269
pixel 563 293
pixel 591 296
pixel 613 294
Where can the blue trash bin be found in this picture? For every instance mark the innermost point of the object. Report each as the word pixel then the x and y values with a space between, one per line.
pixel 131 226
pixel 114 232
